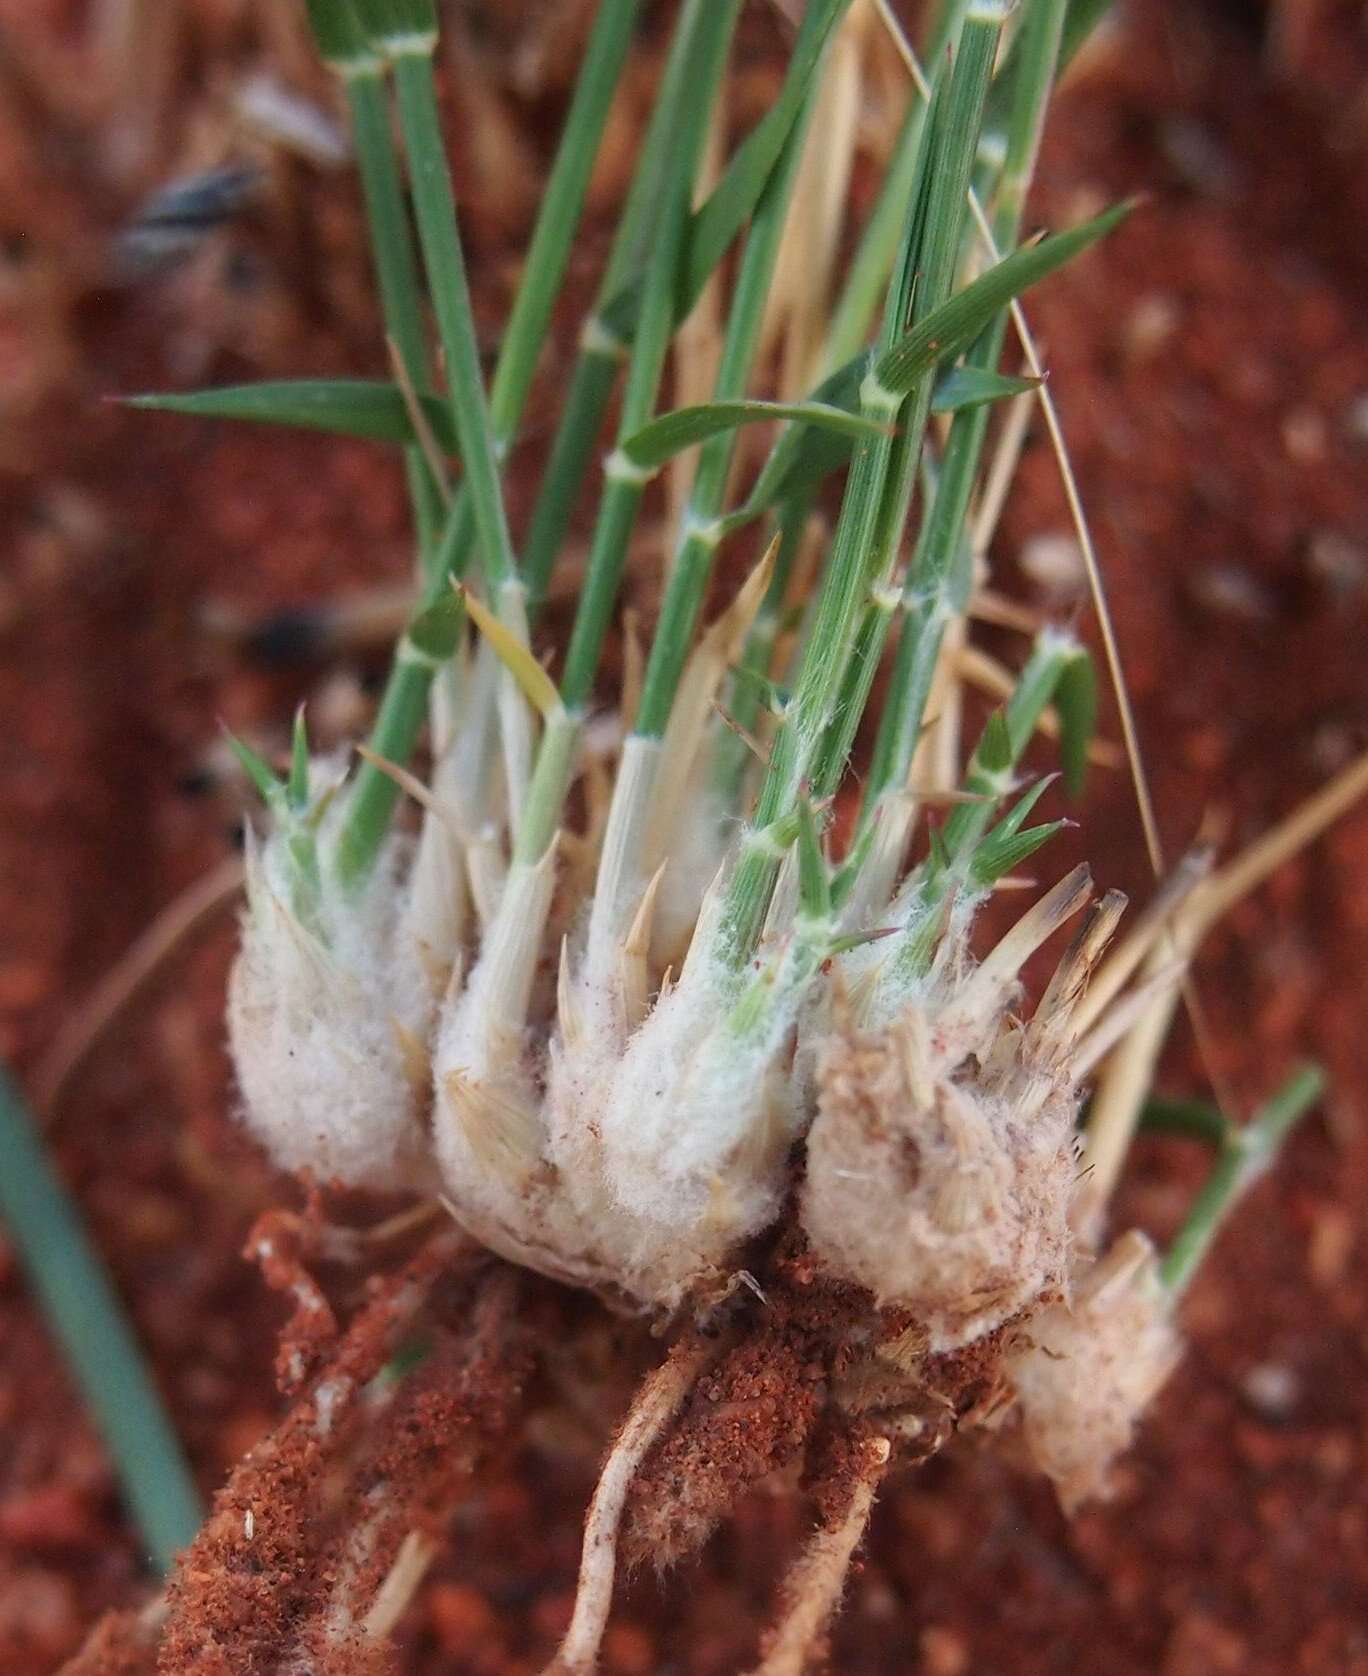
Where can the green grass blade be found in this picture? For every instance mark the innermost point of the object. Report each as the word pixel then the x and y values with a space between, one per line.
pixel 436 631
pixel 263 777
pixel 954 141
pixel 944 334
pixel 591 387
pixel 401 29
pixel 1081 17
pixel 1195 1120
pixel 297 786
pixel 700 529
pixel 867 277
pixel 750 686
pixel 394 733
pixel 814 881
pixel 803 457
pixel 955 324
pixel 370 409
pixel 716 224
pixel 1075 702
pixel 96 1337
pixel 396 263
pixel 624 482
pixel 624 478
pixel 1005 738
pixel 342 43
pixel 397 26
pixel 800 458
pixel 663 438
pixel 962 852
pixel 820 723
pixel 996 857
pixel 939 578
pixel 960 389
pixel 374 794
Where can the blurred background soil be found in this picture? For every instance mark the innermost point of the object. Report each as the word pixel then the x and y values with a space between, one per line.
pixel 1211 363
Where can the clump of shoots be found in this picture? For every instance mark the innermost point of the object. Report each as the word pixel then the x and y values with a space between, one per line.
pixel 719 1031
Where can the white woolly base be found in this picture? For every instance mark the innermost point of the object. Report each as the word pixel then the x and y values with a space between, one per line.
pixel 487 1124
pixel 934 1191
pixel 315 1024
pixel 1085 1372
pixel 695 1133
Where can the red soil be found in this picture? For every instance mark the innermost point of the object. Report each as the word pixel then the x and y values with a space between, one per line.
pixel 1211 364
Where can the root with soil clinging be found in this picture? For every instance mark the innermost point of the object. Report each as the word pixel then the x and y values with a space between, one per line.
pixel 652 1410
pixel 405 1576
pixel 819 1574
pixel 248 1588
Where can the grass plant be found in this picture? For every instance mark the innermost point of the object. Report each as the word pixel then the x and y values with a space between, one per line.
pixel 652 1037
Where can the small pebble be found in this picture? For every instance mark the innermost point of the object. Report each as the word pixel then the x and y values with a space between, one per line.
pixel 1271 1389
pixel 1054 563
pixel 1202 161
pixel 1229 590
pixel 281 116
pixel 1356 418
pixel 943 1651
pixel 1338 564
pixel 1303 433
pixel 1150 324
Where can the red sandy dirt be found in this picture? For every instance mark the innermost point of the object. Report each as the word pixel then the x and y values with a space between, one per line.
pixel 1211 363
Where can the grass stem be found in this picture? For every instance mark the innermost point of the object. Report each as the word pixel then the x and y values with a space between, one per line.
pixel 624 483
pixel 692 565
pixel 1248 1151
pixel 940 575
pixel 439 235
pixel 881 475
pixel 697 51
pixel 402 712
pixel 396 271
